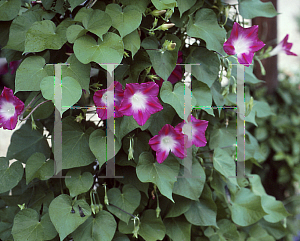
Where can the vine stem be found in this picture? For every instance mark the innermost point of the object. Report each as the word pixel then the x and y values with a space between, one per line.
pixel 123 210
pixel 24 119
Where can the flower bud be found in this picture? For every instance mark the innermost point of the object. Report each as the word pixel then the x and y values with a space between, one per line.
pixel 157 13
pixel 157 211
pixel 155 23
pixel 130 150
pixel 79 118
pixel 168 15
pixel 166 26
pixel 171 46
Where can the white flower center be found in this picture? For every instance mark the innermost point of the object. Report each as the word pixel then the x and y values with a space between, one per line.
pixel 7 110
pixel 241 45
pixel 167 143
pixel 187 129
pixel 138 101
pixel 109 102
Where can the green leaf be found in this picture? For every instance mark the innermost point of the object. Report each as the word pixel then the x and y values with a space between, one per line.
pixel 164 62
pixel 18 29
pixel 258 233
pixel 124 20
pixel 163 175
pixel 175 97
pixel 178 229
pixel 78 71
pixel 38 167
pixel 74 32
pixel 9 9
pixel 224 164
pixel 75 3
pixel 206 27
pixel 27 226
pixel 191 187
pixel 222 137
pixel 102 227
pixel 128 200
pixel 180 206
pixel 78 183
pixel 246 208
pixel 110 50
pixel 140 5
pixel 255 8
pixel 203 96
pixel 132 42
pixel 207 70
pixel 227 230
pixel 203 212
pixel 164 4
pixel 75 144
pixel 55 6
pixel 9 175
pixel 277 230
pixel 31 72
pixel 44 35
pixel 64 220
pixel 184 5
pixel 70 89
pixel 98 145
pixel 25 142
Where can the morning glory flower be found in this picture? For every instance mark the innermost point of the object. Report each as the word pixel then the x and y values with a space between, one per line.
pixel 10 108
pixel 140 100
pixel 283 46
pixel 243 42
pixel 168 139
pixel 197 137
pixel 100 99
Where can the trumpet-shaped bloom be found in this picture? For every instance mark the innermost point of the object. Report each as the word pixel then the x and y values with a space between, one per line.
pixel 10 108
pixel 140 100
pixel 243 42
pixel 100 99
pixel 198 128
pixel 168 139
pixel 283 46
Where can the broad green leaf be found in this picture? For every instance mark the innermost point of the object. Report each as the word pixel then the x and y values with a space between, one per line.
pixel 203 212
pixel 128 200
pixel 75 144
pixel 164 4
pixel 216 94
pixel 227 230
pixel 74 32
pixel 246 208
pixel 78 71
pixel 180 206
pixel 78 183
pixel 44 35
pixel 178 229
pixel 55 6
pixel 124 20
pixel 191 187
pixel 102 227
pixel 222 137
pixel 208 64
pixel 203 96
pixel 9 9
pixel 27 226
pixel 18 29
pixel 38 167
pixel 132 42
pixel 164 62
pixel 140 5
pixel 163 175
pixel 256 8
pixel 140 62
pixel 224 164
pixel 176 97
pixel 31 72
pixel 205 26
pixel 75 3
pixel 184 5
pixel 25 142
pixel 98 145
pixel 9 175
pixel 7 216
pixel 277 230
pixel 64 220
pixel 110 50
pixel 257 233
pixel 70 89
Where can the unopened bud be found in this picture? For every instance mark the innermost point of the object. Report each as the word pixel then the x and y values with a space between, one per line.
pixel 130 150
pixel 79 118
pixel 166 26
pixel 155 23
pixel 153 77
pixel 171 46
pixel 157 211
pixel 168 15
pixel 157 13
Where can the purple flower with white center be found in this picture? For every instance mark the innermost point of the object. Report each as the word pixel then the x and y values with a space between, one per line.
pixel 168 139
pixel 140 101
pixel 243 42
pixel 100 99
pixel 10 108
pixel 198 127
pixel 283 46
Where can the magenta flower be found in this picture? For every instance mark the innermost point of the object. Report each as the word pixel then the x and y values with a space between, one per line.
pixel 10 108
pixel 198 131
pixel 140 100
pixel 100 99
pixel 168 139
pixel 13 65
pixel 243 42
pixel 283 46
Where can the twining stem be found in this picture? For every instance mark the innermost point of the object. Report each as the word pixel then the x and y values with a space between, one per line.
pixel 123 211
pixel 24 119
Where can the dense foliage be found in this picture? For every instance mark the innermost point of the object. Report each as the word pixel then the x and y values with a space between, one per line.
pixel 152 201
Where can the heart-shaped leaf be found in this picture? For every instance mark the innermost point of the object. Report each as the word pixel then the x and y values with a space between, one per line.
pixel 64 218
pixel 9 9
pixel 78 183
pixel 132 42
